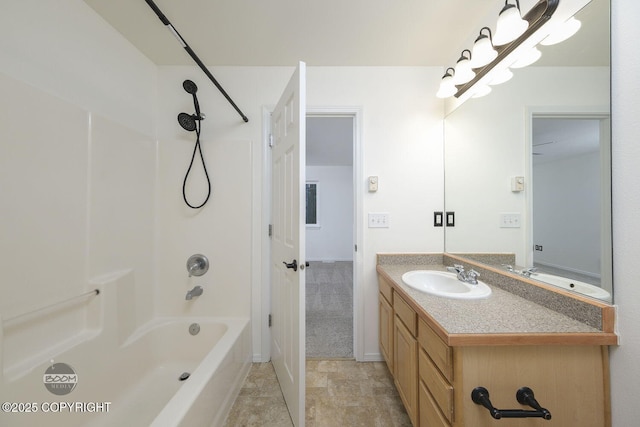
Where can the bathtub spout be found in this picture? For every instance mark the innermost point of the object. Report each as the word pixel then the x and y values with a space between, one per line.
pixel 195 292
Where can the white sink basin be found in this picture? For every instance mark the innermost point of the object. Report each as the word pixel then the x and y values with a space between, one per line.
pixel 444 284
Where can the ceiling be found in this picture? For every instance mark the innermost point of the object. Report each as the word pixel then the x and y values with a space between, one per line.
pixel 321 33
pixel 558 138
pixel 283 32
pixel 333 33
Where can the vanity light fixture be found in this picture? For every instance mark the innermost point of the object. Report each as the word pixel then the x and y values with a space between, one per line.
pixel 447 86
pixel 501 76
pixel 496 71
pixel 480 91
pixel 527 58
pixel 510 24
pixel 483 51
pixel 463 73
pixel 563 31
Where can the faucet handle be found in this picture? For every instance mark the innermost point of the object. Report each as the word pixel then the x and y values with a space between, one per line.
pixel 472 277
pixel 456 268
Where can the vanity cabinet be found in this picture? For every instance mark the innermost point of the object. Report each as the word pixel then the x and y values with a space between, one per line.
pixel 435 380
pixel 405 356
pixel 385 330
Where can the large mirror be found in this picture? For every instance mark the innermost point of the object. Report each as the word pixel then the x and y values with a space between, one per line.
pixel 527 167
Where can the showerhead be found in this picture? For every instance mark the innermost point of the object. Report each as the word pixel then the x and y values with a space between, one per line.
pixel 187 121
pixel 190 87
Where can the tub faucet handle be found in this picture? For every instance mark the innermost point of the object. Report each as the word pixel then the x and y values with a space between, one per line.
pixel 197 265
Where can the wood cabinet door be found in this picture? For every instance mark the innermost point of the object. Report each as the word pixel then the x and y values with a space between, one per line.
pixel 386 331
pixel 405 362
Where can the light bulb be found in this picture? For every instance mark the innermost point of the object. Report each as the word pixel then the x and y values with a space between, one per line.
pixel 527 58
pixel 463 71
pixel 562 31
pixel 510 25
pixel 482 52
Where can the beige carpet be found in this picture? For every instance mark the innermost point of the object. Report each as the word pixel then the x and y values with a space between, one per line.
pixel 329 310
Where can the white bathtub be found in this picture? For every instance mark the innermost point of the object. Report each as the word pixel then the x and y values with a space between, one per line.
pixel 139 379
pixel 573 285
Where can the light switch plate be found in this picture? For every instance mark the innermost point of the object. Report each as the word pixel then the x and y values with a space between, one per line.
pixel 373 184
pixel 378 219
pixel 510 220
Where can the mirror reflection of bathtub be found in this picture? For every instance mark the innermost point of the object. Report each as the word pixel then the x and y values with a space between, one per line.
pixel 569 284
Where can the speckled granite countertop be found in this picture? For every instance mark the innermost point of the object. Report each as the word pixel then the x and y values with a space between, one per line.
pixel 500 319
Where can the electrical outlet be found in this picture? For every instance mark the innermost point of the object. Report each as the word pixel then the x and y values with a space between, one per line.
pixel 378 220
pixel 437 219
pixel 538 248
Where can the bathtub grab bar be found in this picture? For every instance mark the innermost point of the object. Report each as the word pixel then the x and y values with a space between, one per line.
pixel 48 306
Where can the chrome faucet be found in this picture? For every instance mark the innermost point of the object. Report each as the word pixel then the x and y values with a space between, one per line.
pixel 195 292
pixel 470 276
pixel 509 267
pixel 527 272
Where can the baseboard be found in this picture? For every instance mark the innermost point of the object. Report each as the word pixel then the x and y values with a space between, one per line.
pixel 373 357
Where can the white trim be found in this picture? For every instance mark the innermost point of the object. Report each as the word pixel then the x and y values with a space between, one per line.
pixel 262 305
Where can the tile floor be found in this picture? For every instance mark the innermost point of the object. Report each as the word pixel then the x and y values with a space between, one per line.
pixel 340 393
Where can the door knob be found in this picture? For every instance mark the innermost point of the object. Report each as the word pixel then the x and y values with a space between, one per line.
pixel 293 265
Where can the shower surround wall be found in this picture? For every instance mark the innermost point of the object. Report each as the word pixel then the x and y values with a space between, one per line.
pixel 77 170
pixel 221 230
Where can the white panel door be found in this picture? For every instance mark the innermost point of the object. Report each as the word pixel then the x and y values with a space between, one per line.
pixel 287 244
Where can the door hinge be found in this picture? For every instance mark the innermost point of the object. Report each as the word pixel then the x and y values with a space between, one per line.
pixel 270 230
pixel 269 320
pixel 271 140
pixel 356 247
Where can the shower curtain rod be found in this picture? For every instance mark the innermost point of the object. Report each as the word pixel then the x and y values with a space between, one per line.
pixel 193 56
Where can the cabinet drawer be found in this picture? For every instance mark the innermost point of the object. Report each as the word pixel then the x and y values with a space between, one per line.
pixel 430 415
pixel 406 314
pixel 439 352
pixel 438 386
pixel 385 289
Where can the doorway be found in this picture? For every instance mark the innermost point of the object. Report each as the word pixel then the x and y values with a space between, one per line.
pixel 570 203
pixel 330 235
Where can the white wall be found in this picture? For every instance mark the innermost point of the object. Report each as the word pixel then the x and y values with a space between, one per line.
pixel 486 146
pixel 77 167
pixel 333 239
pixel 625 369
pixel 567 203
